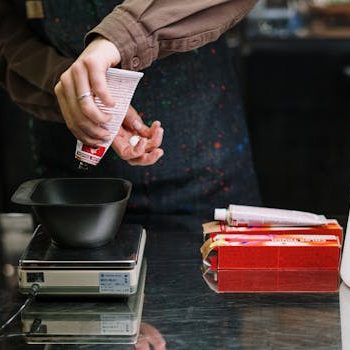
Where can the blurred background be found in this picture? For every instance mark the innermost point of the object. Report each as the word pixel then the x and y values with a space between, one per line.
pixel 293 60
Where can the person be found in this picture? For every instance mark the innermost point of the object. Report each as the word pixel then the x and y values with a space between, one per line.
pixel 188 84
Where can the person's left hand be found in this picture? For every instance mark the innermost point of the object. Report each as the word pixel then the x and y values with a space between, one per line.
pixel 147 151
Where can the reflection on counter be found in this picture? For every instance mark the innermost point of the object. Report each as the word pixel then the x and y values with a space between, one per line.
pixel 75 321
pixel 286 281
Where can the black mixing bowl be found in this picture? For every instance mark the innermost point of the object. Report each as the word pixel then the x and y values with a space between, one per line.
pixel 77 212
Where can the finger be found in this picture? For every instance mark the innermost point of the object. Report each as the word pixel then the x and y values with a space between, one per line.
pixel 126 152
pixel 82 127
pixel 133 121
pixel 155 125
pixel 90 129
pixel 156 139
pixel 86 129
pixel 83 134
pixel 88 141
pixel 87 104
pixel 79 133
pixel 148 158
pixel 81 79
pixel 98 82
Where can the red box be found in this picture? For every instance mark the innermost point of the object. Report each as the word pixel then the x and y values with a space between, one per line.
pixel 234 251
pixel 272 259
pixel 271 281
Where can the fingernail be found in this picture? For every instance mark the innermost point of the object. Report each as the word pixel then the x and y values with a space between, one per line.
pixel 137 125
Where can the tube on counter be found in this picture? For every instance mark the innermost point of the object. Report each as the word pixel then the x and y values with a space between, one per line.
pixel 242 215
pixel 122 85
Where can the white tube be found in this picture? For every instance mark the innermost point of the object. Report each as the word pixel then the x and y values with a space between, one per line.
pixel 122 85
pixel 242 215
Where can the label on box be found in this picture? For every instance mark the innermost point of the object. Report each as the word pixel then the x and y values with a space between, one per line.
pixel 114 282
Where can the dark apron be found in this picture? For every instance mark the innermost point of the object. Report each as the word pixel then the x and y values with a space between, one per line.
pixel 207 161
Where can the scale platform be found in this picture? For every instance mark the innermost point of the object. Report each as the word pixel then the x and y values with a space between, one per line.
pixel 111 270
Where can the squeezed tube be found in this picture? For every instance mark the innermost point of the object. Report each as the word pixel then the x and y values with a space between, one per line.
pixel 121 85
pixel 242 215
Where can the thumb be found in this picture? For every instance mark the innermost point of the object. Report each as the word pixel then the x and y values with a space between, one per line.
pixel 133 121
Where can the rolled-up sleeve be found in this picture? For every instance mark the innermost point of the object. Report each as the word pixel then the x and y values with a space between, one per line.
pixel 144 31
pixel 29 69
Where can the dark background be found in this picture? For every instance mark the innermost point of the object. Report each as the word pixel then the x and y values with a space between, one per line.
pixel 296 95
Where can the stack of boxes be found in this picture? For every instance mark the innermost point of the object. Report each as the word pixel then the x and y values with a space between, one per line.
pixel 271 258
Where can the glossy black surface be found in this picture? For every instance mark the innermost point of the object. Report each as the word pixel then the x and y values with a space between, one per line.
pixel 180 312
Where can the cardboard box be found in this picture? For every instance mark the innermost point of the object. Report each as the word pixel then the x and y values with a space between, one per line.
pixel 242 251
pixel 272 259
pixel 272 281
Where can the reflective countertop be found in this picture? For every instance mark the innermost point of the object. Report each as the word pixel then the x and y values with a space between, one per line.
pixel 181 312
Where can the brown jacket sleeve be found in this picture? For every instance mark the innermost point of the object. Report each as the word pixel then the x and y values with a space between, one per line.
pixel 29 69
pixel 146 30
pixel 142 30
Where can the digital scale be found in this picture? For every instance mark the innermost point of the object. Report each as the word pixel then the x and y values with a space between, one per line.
pixel 110 270
pixel 98 321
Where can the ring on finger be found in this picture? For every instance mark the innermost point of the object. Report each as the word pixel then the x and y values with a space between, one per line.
pixel 84 95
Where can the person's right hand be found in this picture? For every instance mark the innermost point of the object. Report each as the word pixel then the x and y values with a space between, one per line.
pixel 87 75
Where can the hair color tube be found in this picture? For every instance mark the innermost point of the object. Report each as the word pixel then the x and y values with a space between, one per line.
pixel 242 215
pixel 121 85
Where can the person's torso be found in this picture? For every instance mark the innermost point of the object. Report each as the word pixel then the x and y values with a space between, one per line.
pixel 195 95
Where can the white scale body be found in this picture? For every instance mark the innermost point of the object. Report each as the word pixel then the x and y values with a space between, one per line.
pixel 111 270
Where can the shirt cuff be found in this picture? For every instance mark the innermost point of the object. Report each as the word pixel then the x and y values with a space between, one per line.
pixel 136 49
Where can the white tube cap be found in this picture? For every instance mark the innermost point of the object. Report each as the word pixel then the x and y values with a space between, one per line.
pixel 134 140
pixel 220 214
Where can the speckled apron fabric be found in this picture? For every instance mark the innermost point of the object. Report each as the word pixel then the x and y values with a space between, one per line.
pixel 207 161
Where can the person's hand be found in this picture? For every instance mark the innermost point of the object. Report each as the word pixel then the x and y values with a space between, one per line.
pixel 87 76
pixel 150 338
pixel 146 151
